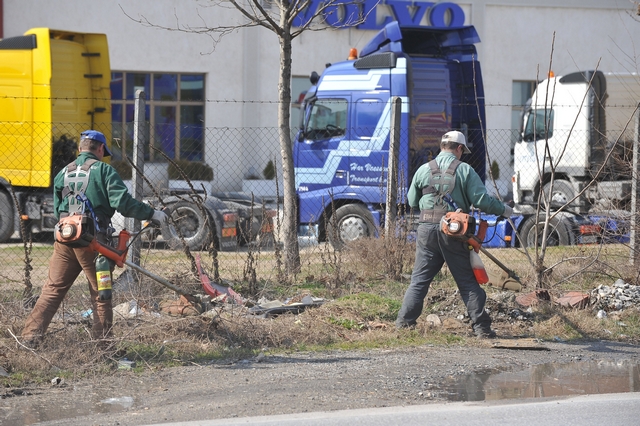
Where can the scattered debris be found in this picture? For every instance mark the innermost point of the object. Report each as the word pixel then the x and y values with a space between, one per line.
pixel 533 298
pixel 125 364
pixel 3 372
pixel 574 299
pixel 215 290
pixel 272 308
pixel 56 381
pixel 520 343
pixel 520 315
pixel 433 320
pixel 617 297
pixel 503 281
pixel 452 324
pixel 601 314
pixel 131 309
pixel 376 325
pixel 184 306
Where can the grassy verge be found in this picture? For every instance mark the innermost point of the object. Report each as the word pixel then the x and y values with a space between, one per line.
pixel 362 288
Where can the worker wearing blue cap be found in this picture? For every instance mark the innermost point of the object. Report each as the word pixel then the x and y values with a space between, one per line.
pixel 107 193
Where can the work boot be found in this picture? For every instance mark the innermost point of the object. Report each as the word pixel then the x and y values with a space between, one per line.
pixel 401 325
pixel 32 342
pixel 485 333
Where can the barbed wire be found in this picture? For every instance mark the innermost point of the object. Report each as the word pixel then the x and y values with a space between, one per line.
pixel 266 102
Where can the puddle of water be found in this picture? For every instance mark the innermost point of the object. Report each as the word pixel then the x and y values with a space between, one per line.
pixel 545 380
pixel 123 401
pixel 78 402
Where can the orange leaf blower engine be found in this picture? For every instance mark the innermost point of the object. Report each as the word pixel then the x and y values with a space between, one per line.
pixel 76 231
pixel 463 226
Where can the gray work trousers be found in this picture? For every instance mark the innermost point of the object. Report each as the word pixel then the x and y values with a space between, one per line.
pixel 433 249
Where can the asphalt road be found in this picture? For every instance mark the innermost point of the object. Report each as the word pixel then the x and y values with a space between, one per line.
pixel 617 409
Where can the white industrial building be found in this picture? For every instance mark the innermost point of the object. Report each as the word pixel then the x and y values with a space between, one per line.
pixel 521 40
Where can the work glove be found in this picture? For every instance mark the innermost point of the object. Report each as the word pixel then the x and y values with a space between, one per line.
pixel 159 218
pixel 508 211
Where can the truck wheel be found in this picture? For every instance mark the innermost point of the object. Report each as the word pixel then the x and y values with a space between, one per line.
pixel 192 225
pixel 352 222
pixel 559 234
pixel 6 217
pixel 562 193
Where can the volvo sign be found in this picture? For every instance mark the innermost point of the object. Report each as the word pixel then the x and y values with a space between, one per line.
pixel 369 14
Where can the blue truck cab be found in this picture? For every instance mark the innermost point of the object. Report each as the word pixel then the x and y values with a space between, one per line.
pixel 341 152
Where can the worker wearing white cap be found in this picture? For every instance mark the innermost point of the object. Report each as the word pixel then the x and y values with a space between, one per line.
pixel 440 186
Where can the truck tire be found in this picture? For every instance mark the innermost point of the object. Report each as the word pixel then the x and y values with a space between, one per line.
pixel 352 222
pixel 6 217
pixel 562 193
pixel 560 231
pixel 192 225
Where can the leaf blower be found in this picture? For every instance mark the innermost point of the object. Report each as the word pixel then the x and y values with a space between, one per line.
pixel 463 226
pixel 79 230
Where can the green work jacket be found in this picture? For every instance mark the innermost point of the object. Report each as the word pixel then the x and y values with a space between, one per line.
pixel 468 191
pixel 105 190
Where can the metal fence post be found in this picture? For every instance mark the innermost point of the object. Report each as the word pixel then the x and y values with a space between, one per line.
pixel 634 237
pixel 392 173
pixel 137 182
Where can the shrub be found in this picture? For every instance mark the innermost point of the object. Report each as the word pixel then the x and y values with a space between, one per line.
pixel 269 171
pixel 65 150
pixel 193 170
pixel 495 170
pixel 123 168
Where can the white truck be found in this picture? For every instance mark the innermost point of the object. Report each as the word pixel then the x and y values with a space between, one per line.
pixel 577 132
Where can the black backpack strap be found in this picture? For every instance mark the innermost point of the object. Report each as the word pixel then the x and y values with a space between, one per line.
pixel 440 185
pixel 435 170
pixel 446 179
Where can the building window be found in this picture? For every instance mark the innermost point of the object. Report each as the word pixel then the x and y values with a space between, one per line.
pixel 521 93
pixel 174 114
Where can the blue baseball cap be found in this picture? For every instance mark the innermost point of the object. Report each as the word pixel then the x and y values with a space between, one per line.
pixel 96 136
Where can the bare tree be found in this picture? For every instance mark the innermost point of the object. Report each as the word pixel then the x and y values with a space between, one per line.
pixel 287 19
pixel 546 209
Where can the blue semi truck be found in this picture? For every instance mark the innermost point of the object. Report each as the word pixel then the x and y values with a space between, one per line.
pixel 341 152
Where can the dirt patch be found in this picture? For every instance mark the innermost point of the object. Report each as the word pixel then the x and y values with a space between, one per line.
pixel 229 363
pixel 274 383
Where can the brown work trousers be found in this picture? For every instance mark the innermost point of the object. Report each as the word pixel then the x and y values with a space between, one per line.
pixel 64 267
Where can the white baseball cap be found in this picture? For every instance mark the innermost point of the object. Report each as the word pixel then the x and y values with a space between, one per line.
pixel 457 137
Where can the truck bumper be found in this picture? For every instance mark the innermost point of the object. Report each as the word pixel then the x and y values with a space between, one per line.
pixel 517 192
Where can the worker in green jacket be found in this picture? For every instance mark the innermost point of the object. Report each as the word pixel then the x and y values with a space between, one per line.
pixel 442 185
pixel 106 192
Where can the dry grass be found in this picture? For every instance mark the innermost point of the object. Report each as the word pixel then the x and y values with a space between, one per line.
pixel 363 286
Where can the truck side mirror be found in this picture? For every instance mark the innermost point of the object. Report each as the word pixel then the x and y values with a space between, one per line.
pixel 314 77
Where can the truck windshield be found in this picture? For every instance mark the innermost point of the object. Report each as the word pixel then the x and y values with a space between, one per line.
pixel 535 127
pixel 327 119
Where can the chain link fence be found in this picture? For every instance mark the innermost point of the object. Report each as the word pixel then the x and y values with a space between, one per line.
pixel 234 178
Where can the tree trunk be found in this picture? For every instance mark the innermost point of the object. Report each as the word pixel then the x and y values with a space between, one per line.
pixel 289 226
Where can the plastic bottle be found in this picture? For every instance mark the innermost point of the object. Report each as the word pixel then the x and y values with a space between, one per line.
pixel 478 267
pixel 103 275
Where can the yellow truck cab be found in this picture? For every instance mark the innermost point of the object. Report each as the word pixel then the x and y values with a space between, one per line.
pixel 53 85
